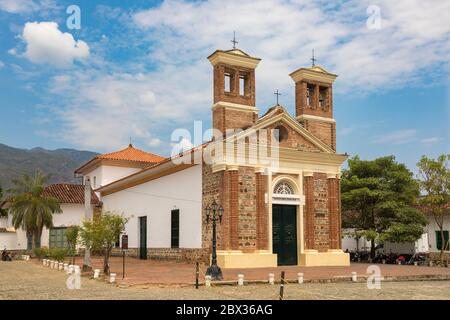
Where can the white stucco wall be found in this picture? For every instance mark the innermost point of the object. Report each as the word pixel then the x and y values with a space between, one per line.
pixel 107 174
pixel 155 199
pixel 4 222
pixel 73 214
pixel 431 230
pixel 421 245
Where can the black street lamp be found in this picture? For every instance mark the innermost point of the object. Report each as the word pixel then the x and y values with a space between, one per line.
pixel 214 212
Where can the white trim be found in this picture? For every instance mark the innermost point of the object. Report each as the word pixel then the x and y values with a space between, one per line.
pixel 234 106
pixel 316 118
pixel 233 59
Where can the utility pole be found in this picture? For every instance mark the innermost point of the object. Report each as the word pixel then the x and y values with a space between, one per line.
pixel 88 217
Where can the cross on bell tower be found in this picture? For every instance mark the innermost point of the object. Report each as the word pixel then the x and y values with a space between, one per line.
pixel 278 95
pixel 313 59
pixel 234 42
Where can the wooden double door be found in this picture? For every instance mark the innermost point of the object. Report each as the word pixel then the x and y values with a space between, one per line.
pixel 284 233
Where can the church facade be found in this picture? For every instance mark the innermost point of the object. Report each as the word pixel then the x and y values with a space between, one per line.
pixel 283 212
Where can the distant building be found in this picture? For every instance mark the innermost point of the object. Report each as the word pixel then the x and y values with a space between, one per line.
pixel 71 197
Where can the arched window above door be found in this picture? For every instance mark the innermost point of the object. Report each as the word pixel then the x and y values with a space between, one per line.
pixel 283 187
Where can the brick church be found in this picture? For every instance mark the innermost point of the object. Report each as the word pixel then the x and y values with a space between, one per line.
pixel 284 214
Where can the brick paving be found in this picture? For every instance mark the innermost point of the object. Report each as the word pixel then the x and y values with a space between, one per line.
pixel 170 272
pixel 28 280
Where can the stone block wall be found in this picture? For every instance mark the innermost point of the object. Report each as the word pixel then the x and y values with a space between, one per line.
pixel 247 209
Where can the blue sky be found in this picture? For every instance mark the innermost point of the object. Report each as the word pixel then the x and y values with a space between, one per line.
pixel 138 69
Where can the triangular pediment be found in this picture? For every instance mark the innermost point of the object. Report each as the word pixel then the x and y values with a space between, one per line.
pixel 297 136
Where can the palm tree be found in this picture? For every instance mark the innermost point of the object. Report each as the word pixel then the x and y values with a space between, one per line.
pixel 30 209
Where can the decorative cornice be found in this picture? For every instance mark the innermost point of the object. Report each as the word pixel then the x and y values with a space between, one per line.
pixel 308 173
pixel 313 75
pixel 331 175
pixel 218 167
pixel 315 118
pixel 234 106
pixel 234 59
pixel 232 167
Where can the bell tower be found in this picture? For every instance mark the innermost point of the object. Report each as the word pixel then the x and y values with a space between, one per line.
pixel 314 102
pixel 234 104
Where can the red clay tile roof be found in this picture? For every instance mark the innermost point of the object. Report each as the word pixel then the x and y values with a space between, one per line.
pixel 69 193
pixel 132 154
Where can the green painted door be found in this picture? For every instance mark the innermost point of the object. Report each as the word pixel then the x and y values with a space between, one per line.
pixel 143 238
pixel 284 233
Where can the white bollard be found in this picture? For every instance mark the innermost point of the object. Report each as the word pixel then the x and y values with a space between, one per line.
pixel 77 269
pixel 96 273
pixel 240 279
pixel 300 277
pixel 207 281
pixel 112 278
pixel 51 264
pixel 70 269
pixel 61 266
pixel 271 278
pixel 415 263
pixel 43 262
pixel 66 266
pixel 431 263
pixel 55 265
pixel 354 276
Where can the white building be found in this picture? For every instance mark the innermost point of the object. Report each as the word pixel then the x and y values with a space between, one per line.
pixel 429 242
pixel 71 197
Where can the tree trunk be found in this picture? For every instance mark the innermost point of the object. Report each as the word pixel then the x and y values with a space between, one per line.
pixel 106 261
pixel 372 248
pixel 33 241
pixel 37 238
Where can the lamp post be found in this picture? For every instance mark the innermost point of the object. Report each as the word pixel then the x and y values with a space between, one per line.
pixel 214 213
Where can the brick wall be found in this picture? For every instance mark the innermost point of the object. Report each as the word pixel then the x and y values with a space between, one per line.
pixel 233 96
pixel 325 131
pixel 321 216
pixel 247 209
pixel 293 139
pixel 213 188
pixel 226 118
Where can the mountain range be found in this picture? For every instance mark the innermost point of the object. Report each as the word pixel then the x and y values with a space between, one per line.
pixel 59 164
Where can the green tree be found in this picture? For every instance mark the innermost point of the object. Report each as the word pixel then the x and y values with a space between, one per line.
pixel 3 212
pixel 101 234
pixel 72 233
pixel 435 184
pixel 30 209
pixel 378 198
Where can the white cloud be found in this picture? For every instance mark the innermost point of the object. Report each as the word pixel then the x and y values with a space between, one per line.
pixel 102 111
pixel 430 141
pixel 169 83
pixel 29 6
pixel 397 137
pixel 12 51
pixel 1 64
pixel 154 142
pixel 364 59
pixel 18 6
pixel 45 43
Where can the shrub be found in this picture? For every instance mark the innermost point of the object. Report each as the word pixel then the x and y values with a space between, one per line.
pixel 41 252
pixel 58 253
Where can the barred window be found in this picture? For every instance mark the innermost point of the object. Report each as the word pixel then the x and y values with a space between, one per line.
pixel 283 188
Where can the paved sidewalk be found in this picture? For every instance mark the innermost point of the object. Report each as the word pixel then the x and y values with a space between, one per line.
pixel 168 272
pixel 28 280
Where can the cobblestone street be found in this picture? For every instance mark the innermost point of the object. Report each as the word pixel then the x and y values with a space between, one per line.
pixel 26 280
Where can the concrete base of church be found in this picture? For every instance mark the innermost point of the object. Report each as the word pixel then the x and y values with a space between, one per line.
pixel 313 258
pixel 239 259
